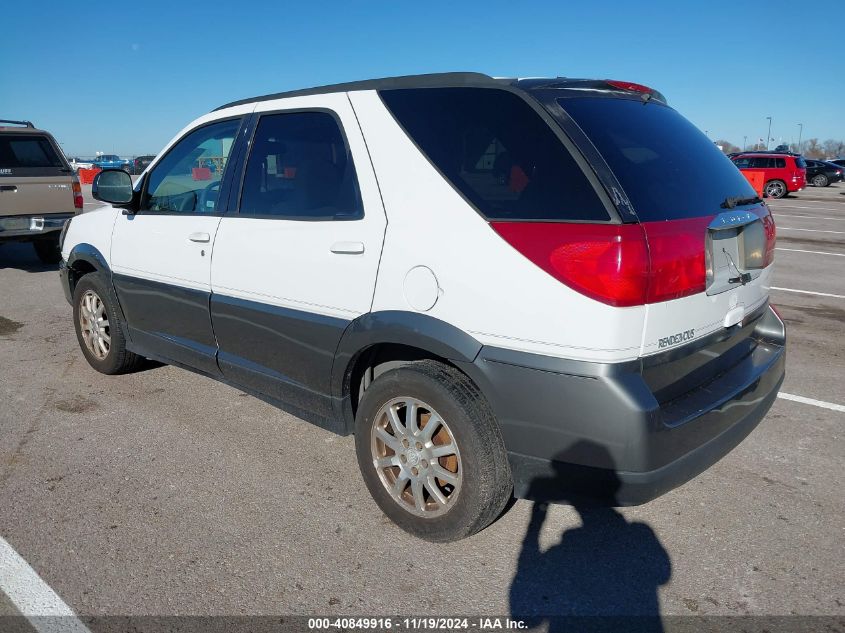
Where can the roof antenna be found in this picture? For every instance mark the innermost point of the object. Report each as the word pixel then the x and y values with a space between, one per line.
pixel 646 97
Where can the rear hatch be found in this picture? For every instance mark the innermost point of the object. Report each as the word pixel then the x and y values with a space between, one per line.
pixel 710 239
pixel 34 177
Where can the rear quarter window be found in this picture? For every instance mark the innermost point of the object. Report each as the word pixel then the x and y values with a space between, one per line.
pixel 497 152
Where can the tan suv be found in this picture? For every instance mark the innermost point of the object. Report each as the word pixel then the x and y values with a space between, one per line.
pixel 38 190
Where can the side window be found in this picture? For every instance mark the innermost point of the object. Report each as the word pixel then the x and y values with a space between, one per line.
pixel 187 180
pixel 498 152
pixel 743 163
pixel 759 162
pixel 299 168
pixel 780 163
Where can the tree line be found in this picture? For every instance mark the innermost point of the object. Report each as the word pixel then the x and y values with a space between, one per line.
pixel 811 148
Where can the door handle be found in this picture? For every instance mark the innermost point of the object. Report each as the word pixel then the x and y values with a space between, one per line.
pixel 199 237
pixel 8 188
pixel 348 248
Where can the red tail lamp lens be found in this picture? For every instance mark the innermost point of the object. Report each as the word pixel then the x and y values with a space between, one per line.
pixel 617 264
pixel 608 262
pixel 77 193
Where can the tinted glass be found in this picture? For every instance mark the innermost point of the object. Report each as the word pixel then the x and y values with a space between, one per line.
pixel 299 168
pixel 498 152
pixel 187 180
pixel 27 151
pixel 668 168
pixel 800 162
pixel 780 163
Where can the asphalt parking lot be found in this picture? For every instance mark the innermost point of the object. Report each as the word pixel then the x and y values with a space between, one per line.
pixel 165 492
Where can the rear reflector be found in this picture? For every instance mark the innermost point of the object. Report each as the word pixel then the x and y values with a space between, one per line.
pixel 618 264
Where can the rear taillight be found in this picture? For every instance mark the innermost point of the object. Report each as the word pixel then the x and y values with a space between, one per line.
pixel 77 193
pixel 771 238
pixel 676 249
pixel 618 264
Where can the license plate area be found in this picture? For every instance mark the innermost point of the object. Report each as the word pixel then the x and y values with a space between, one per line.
pixel 735 251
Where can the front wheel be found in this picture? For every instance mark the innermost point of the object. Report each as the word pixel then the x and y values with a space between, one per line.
pixel 99 328
pixel 820 180
pixel 775 189
pixel 431 453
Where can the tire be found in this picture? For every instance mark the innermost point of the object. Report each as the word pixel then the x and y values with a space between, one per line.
pixel 463 458
pixel 820 180
pixel 92 299
pixel 775 189
pixel 47 250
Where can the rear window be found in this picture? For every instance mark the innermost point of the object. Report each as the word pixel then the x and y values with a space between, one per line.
pixel 497 152
pixel 800 162
pixel 27 151
pixel 667 167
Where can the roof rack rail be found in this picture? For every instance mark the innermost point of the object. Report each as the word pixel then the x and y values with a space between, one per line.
pixel 385 83
pixel 24 123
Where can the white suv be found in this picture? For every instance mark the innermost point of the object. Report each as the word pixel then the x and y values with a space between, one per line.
pixel 547 288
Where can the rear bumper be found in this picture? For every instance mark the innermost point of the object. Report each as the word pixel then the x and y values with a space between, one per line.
pixel 603 431
pixel 30 226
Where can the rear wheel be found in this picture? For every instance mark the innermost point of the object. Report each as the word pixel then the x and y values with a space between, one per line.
pixel 99 328
pixel 47 250
pixel 820 180
pixel 431 452
pixel 775 189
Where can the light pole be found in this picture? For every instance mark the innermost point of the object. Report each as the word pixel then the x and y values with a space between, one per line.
pixel 769 133
pixel 800 130
pixel 744 142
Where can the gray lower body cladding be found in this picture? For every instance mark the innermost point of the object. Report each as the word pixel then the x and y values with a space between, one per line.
pixel 618 432
pixel 625 433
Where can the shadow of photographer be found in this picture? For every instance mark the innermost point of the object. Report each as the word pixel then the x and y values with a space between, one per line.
pixel 601 576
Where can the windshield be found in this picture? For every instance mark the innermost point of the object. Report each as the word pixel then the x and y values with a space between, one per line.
pixel 667 167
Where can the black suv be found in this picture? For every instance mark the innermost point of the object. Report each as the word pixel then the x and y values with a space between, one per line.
pixel 821 173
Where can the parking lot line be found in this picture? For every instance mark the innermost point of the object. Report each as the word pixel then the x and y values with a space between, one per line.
pixel 799 250
pixel 789 206
pixel 33 597
pixel 810 292
pixel 790 228
pixel 808 217
pixel 815 403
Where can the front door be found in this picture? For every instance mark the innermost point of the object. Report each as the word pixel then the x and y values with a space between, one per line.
pixel 161 256
pixel 298 261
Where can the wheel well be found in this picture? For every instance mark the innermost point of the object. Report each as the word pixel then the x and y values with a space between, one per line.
pixel 373 361
pixel 77 271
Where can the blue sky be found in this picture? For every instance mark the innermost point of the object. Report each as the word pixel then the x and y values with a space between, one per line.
pixel 125 77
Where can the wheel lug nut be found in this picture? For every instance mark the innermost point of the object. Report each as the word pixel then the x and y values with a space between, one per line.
pixel 424 464
pixel 403 458
pixel 419 446
pixel 406 443
pixel 415 471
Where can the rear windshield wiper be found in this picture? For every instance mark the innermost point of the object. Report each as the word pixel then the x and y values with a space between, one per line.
pixel 735 201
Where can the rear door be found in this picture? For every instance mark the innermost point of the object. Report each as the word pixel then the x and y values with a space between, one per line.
pixel 298 260
pixel 161 256
pixel 679 183
pixel 34 178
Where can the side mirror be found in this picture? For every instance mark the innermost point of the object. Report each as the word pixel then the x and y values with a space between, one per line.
pixel 113 186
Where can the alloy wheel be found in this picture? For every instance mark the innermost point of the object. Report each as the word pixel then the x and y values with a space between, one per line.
pixel 94 324
pixel 416 457
pixel 775 190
